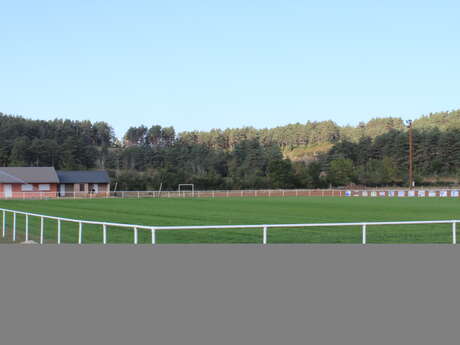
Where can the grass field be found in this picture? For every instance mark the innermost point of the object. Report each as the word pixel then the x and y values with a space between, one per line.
pixel 222 211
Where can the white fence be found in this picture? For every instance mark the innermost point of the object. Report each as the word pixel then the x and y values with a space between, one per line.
pixel 154 229
pixel 174 194
pixel 389 193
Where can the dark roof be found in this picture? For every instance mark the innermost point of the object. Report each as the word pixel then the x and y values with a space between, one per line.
pixel 83 176
pixel 8 178
pixel 28 175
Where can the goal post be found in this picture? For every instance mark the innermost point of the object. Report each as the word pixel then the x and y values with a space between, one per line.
pixel 189 188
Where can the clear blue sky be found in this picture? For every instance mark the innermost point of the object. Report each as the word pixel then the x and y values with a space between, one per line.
pixel 216 64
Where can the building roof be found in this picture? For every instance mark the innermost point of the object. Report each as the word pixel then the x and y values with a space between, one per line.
pixel 83 176
pixel 28 175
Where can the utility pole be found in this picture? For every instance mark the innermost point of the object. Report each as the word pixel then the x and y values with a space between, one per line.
pixel 411 155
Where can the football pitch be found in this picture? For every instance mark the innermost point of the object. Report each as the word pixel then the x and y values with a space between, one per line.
pixel 241 211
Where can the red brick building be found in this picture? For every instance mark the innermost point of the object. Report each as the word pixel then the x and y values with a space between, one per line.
pixel 28 182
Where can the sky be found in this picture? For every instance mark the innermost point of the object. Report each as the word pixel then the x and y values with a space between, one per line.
pixel 198 65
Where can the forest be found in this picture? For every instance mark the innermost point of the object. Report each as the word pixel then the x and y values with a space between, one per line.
pixel 302 155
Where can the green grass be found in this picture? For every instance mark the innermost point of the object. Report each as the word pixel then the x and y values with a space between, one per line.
pixel 223 211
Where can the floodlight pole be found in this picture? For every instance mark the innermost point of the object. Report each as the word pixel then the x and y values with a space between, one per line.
pixel 411 155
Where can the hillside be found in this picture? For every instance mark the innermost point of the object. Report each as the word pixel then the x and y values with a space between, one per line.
pixel 305 141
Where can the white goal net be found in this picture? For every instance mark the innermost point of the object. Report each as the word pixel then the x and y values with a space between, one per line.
pixel 186 189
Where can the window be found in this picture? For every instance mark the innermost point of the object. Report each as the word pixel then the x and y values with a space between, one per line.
pixel 44 187
pixel 27 188
pixel 82 187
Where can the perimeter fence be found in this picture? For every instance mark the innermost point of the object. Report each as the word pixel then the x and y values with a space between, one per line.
pixel 389 193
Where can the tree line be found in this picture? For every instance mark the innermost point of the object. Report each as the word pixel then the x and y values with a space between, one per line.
pixel 372 153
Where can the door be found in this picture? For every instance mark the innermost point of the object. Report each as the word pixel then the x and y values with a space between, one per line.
pixel 62 190
pixel 96 188
pixel 8 190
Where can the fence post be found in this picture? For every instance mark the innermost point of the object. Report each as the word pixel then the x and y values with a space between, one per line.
pixel 104 234
pixel 80 232
pixel 454 233
pixel 364 233
pixel 4 224
pixel 14 226
pixel 135 235
pixel 27 227
pixel 59 232
pixel 42 229
pixel 265 234
pixel 154 236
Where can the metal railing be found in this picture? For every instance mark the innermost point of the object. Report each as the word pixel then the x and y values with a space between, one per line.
pixel 153 229
pixel 389 193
